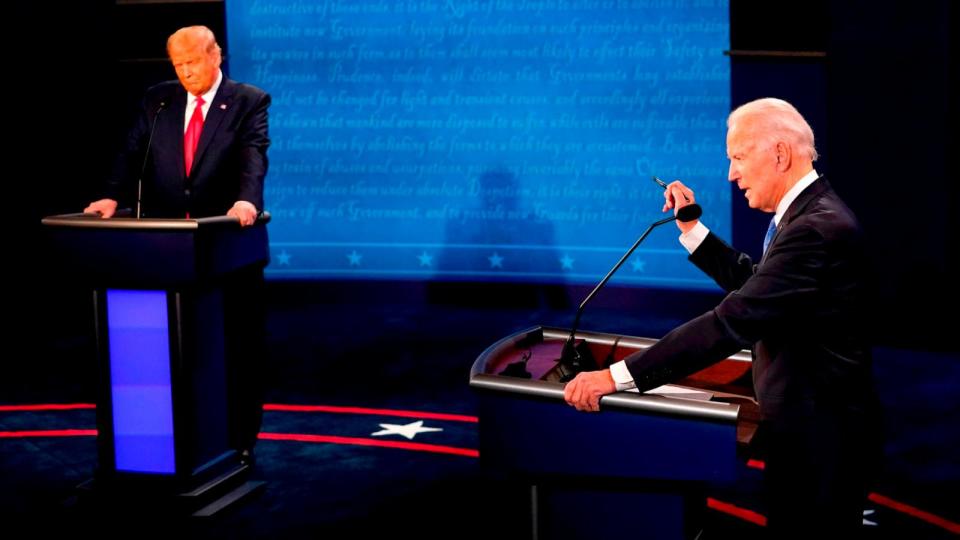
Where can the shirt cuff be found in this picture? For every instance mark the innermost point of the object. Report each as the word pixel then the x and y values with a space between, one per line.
pixel 621 376
pixel 692 239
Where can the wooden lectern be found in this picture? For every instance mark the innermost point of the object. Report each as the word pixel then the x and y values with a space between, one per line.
pixel 157 294
pixel 638 468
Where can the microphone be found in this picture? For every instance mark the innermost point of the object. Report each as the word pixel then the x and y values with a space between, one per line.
pixel 572 361
pixel 146 155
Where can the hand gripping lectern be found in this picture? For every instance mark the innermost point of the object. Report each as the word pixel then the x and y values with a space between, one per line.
pixel 638 467
pixel 157 291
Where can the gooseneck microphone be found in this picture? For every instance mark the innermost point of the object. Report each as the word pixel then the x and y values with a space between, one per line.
pixel 146 155
pixel 572 360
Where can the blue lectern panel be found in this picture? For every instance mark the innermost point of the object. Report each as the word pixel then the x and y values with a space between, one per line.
pixel 544 437
pixel 140 388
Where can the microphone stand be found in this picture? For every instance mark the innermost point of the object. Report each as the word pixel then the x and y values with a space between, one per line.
pixel 571 357
pixel 571 360
pixel 146 156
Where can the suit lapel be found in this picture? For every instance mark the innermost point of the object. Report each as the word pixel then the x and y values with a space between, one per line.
pixel 796 208
pixel 171 127
pixel 215 115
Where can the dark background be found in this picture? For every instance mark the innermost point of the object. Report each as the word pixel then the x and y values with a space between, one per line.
pixel 877 81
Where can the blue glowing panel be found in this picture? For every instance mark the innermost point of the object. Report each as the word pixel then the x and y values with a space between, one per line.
pixel 499 140
pixel 140 381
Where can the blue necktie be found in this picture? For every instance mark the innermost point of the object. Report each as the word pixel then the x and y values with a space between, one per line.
pixel 771 230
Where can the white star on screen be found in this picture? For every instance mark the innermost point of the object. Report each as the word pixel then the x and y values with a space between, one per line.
pixel 409 431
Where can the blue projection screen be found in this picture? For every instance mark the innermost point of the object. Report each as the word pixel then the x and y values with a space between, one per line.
pixel 502 140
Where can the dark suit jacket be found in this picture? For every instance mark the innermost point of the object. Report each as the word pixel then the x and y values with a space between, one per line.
pixel 230 162
pixel 800 309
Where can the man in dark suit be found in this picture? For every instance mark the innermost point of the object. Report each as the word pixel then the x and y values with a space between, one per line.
pixel 207 141
pixel 229 158
pixel 800 309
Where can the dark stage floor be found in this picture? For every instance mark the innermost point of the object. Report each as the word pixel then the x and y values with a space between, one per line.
pixel 370 366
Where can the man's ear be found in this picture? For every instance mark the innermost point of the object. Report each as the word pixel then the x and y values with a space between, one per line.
pixel 784 156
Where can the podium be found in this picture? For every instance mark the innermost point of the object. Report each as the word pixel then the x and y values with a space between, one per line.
pixel 157 288
pixel 638 467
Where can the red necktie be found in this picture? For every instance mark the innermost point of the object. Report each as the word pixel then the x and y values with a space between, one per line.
pixel 192 136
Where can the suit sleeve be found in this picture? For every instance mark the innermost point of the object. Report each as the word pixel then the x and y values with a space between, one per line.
pixel 727 266
pixel 782 294
pixel 785 293
pixel 253 152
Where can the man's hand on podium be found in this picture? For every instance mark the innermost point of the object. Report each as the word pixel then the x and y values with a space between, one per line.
pixel 244 211
pixel 586 389
pixel 105 207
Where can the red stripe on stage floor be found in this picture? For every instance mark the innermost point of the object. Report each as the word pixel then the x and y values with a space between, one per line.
pixel 916 512
pixel 737 512
pixel 49 433
pixel 47 407
pixel 742 513
pixel 883 500
pixel 359 441
pixel 277 407
pixel 364 410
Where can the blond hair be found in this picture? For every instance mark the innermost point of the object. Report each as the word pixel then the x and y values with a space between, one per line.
pixel 197 34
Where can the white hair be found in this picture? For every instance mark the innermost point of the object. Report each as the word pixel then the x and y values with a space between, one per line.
pixel 775 119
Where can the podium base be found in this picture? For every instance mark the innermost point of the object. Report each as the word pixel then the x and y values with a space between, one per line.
pixel 234 497
pixel 227 490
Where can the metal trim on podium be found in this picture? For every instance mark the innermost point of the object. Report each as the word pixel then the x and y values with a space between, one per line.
pixel 158 318
pixel 641 464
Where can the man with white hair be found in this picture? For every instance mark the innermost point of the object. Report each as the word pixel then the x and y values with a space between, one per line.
pixel 800 309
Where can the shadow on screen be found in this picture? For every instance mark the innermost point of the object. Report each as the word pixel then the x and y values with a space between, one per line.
pixel 498 252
